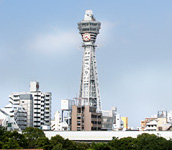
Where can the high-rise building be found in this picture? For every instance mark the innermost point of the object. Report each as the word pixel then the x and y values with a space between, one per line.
pixel 89 87
pixel 36 104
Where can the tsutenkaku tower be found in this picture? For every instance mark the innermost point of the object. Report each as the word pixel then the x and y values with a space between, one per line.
pixel 89 87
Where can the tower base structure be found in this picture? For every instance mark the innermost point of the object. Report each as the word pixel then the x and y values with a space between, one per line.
pixel 85 118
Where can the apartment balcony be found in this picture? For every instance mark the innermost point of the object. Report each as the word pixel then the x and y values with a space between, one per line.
pixel 37 96
pixel 36 124
pixel 36 119
pixel 16 103
pixel 46 119
pixel 20 123
pixel 47 114
pixel 97 125
pixel 42 103
pixel 42 108
pixel 21 119
pixel 96 119
pixel 16 97
pixel 37 105
pixel 37 111
pixel 37 115
pixel 78 114
pixel 47 102
pixel 21 114
pixel 37 101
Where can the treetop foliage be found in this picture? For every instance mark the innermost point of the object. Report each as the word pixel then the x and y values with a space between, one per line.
pixel 35 138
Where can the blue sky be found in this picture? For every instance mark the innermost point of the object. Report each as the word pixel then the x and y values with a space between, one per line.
pixel 39 40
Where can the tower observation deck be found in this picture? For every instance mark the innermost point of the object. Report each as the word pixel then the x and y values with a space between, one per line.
pixel 89 87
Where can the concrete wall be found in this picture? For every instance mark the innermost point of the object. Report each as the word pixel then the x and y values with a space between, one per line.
pixel 87 119
pixel 103 135
pixel 74 118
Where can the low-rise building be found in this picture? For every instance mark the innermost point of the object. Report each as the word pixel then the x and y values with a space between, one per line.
pixel 152 125
pixel 144 122
pixel 108 119
pixel 85 118
pixel 157 124
pixel 66 107
pixel 118 126
pixel 13 117
pixel 169 117
pixel 57 124
pixel 125 122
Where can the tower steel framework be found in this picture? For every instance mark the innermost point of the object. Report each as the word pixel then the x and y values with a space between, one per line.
pixel 89 87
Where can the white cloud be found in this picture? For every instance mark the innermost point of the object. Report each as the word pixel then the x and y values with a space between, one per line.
pixel 107 28
pixel 109 33
pixel 55 41
pixel 60 41
pixel 106 32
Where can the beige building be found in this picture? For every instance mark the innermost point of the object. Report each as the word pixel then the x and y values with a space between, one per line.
pixel 85 118
pixel 160 123
pixel 144 122
pixel 125 121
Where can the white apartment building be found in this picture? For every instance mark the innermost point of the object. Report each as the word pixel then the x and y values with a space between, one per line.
pixel 108 118
pixel 20 116
pixel 119 123
pixel 57 124
pixel 111 120
pixel 37 105
pixel 13 117
pixel 152 125
pixel 169 117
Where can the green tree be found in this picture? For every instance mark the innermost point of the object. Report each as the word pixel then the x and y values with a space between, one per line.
pixel 82 146
pixel 11 144
pixel 58 146
pixel 12 139
pixel 169 143
pixel 32 135
pixel 151 142
pixel 127 143
pixel 100 146
pixel 114 144
pixel 56 139
pixel 18 138
pixel 2 136
pixel 69 145
pixel 44 143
